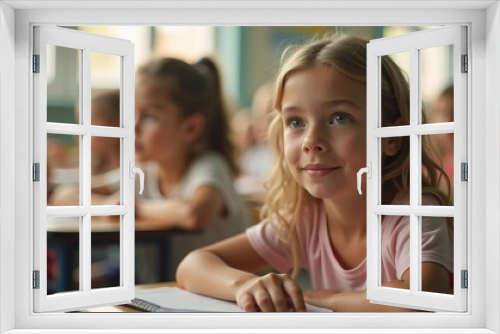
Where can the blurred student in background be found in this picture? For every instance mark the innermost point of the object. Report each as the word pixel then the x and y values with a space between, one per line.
pixel 105 156
pixel 242 132
pixel 182 135
pixel 257 160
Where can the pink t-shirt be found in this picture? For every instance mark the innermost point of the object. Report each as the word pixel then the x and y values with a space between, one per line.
pixel 317 257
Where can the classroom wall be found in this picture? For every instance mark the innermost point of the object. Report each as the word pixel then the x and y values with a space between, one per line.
pixel 260 50
pixel 248 56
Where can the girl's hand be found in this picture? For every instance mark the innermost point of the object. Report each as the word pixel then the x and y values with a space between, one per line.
pixel 320 297
pixel 270 293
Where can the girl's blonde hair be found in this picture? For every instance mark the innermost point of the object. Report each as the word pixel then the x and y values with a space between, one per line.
pixel 285 198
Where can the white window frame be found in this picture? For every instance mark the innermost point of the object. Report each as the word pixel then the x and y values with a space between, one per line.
pixel 413 43
pixel 84 43
pixel 482 19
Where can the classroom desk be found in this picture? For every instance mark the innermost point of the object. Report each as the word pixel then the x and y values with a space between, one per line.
pixel 125 308
pixel 63 236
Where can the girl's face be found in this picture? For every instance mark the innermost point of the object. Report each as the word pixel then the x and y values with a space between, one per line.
pixel 324 119
pixel 159 130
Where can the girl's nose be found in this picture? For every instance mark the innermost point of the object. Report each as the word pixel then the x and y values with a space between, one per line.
pixel 313 142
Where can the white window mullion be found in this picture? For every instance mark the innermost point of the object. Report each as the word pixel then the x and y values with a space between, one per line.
pixel 405 130
pixel 67 129
pixel 434 128
pixel 77 211
pixel 85 152
pixel 66 211
pixel 127 254
pixel 82 257
pixel 85 162
pixel 85 264
pixel 392 131
pixel 103 131
pixel 419 210
pixel 414 167
pixel 372 184
pixel 108 210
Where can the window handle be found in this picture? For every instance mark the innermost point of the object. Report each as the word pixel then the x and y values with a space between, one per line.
pixel 368 171
pixel 133 170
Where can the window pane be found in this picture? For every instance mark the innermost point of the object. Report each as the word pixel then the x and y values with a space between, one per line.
pixel 437 169
pixel 437 254
pixel 105 155
pixel 63 254
pixel 390 110
pixel 105 81
pixel 395 248
pixel 437 84
pixel 105 251
pixel 63 170
pixel 63 84
pixel 395 169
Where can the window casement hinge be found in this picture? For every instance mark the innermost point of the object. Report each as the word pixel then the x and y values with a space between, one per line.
pixel 36 172
pixel 465 64
pixel 464 172
pixel 465 279
pixel 36 63
pixel 36 279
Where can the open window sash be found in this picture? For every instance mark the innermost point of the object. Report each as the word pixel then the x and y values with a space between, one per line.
pixel 414 43
pixel 83 296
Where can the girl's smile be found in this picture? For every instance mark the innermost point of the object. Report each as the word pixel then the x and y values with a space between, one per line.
pixel 324 118
pixel 319 169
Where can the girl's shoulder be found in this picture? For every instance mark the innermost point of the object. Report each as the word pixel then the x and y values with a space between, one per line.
pixel 210 157
pixel 210 160
pixel 403 198
pixel 208 168
pixel 393 223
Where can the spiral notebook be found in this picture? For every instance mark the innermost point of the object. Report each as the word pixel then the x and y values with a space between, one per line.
pixel 178 300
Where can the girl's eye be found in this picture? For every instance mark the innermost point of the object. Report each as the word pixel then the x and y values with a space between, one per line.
pixel 148 115
pixel 295 122
pixel 340 118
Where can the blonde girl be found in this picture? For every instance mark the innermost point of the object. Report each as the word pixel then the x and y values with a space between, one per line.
pixel 182 138
pixel 313 216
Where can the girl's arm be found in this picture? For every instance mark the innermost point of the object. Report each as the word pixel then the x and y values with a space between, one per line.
pixel 69 194
pixel 434 279
pixel 192 214
pixel 225 270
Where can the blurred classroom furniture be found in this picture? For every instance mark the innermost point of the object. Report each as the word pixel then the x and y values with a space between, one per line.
pixel 63 238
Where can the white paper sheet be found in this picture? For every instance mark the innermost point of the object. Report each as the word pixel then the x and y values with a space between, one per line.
pixel 178 300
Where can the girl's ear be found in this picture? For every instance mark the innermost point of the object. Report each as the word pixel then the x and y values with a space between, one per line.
pixel 392 145
pixel 193 127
